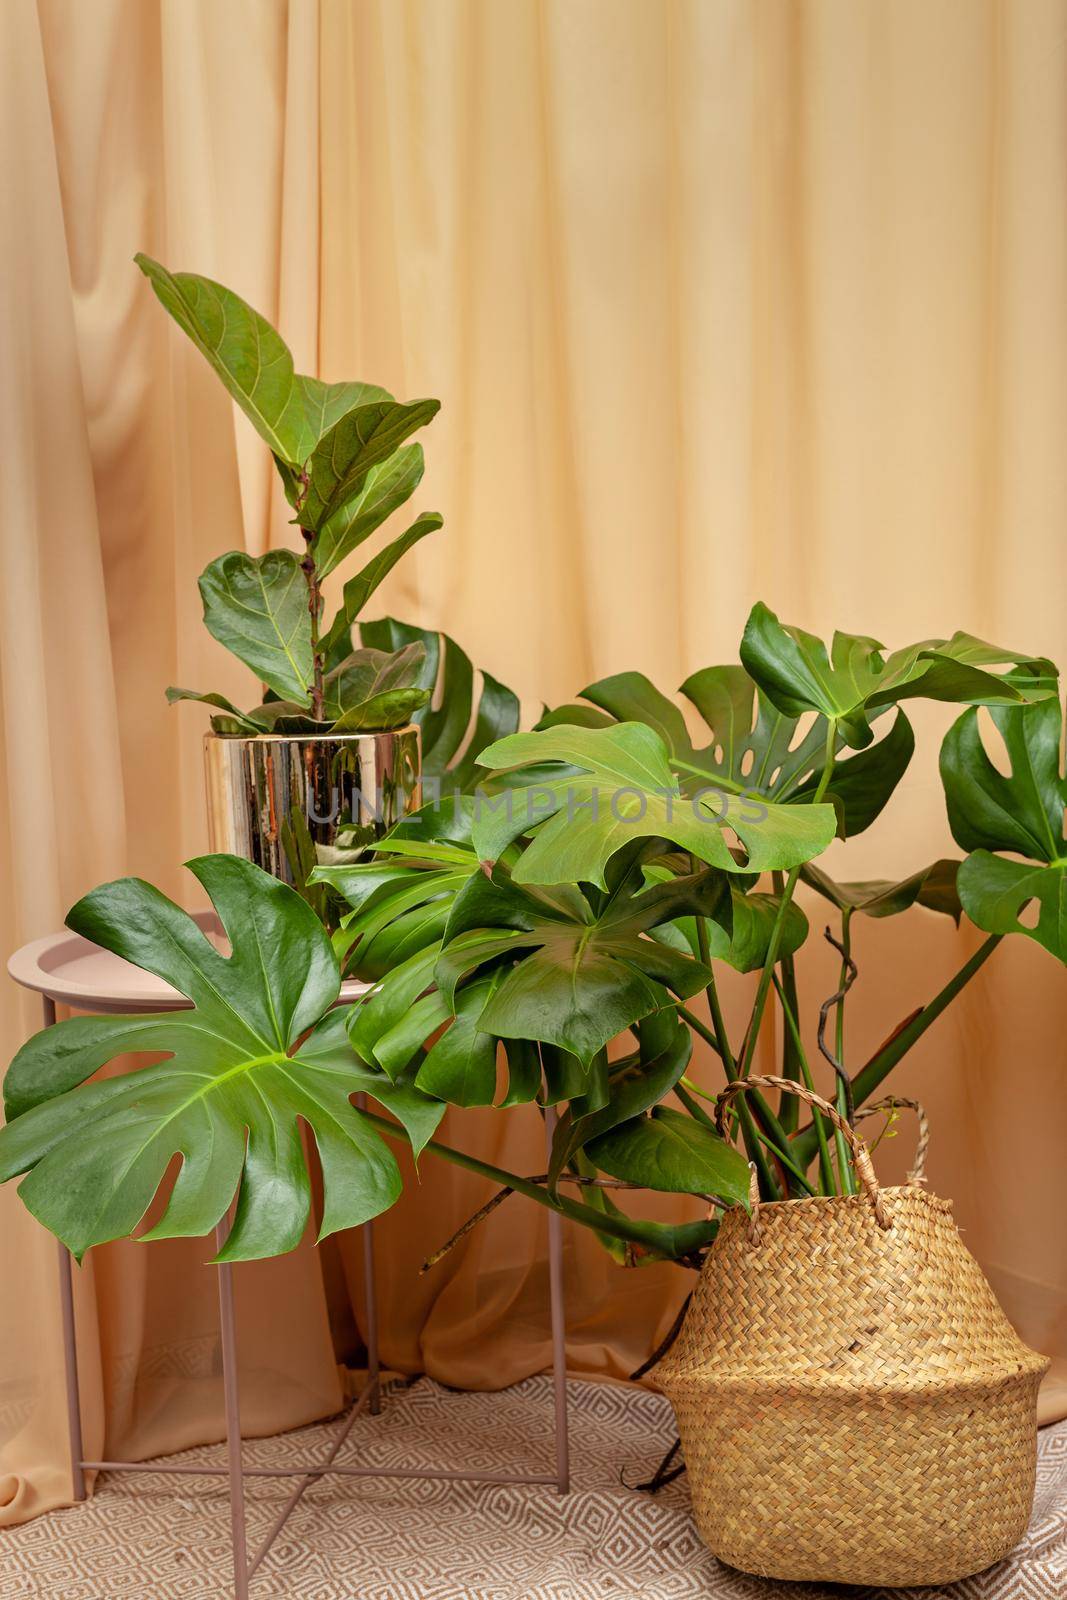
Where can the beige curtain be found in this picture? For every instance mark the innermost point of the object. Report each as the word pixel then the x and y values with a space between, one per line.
pixel 725 301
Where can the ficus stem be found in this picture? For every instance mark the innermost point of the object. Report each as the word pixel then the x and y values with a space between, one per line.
pixel 311 577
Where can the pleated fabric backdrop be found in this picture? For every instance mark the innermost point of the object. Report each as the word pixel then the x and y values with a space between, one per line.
pixel 723 302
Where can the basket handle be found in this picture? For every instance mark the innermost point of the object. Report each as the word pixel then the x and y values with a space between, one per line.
pixel 860 1154
pixel 891 1103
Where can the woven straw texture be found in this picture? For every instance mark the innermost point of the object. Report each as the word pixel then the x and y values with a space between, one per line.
pixel 853 1404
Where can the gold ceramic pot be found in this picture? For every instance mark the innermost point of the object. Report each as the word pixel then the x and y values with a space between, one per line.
pixel 275 797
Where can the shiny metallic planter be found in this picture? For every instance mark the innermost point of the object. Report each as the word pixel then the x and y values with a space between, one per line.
pixel 260 790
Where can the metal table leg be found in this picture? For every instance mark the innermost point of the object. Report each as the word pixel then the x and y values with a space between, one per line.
pixel 228 1328
pixel 70 1341
pixel 559 1328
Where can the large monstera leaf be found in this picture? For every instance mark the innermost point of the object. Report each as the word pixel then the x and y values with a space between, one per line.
pixel 534 965
pixel 1022 813
pixel 753 747
pixel 232 1095
pixel 463 717
pixel 582 968
pixel 617 786
pixel 855 677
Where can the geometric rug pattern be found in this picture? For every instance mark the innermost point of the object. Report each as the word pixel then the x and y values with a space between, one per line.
pixel 147 1538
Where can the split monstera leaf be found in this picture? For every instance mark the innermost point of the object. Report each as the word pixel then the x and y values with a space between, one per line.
pixel 1001 817
pixel 346 465
pixel 258 1054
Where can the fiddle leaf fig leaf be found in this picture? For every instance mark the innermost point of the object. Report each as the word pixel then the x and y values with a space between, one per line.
pixel 933 887
pixel 619 787
pixel 671 1151
pixel 252 360
pixel 338 466
pixel 1022 813
pixel 232 720
pixel 326 403
pixel 458 724
pixel 371 689
pixel 229 1100
pixel 358 590
pixel 855 677
pixel 385 488
pixel 257 606
pixel 291 412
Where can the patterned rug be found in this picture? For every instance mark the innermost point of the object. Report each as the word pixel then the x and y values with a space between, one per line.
pixel 144 1538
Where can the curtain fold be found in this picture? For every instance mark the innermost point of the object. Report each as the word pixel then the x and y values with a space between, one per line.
pixel 723 303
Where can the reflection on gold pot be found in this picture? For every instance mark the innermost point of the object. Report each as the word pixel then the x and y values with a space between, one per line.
pixel 289 801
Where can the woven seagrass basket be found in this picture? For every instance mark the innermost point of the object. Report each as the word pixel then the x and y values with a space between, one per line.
pixel 854 1406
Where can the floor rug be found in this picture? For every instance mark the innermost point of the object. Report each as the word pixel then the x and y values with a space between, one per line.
pixel 148 1538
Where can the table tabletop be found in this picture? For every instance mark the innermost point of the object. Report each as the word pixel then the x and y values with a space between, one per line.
pixel 75 972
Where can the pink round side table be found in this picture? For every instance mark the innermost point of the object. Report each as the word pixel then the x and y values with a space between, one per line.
pixel 65 969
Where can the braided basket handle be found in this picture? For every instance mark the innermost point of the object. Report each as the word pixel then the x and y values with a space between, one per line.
pixel 891 1103
pixel 860 1154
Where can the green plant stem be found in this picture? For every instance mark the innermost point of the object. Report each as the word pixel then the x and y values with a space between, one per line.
pixel 826 1166
pixel 721 1039
pixel 871 1077
pixel 789 1108
pixel 604 1222
pixel 311 577
pixel 718 1021
pixel 780 1149
pixel 849 1184
pixel 764 988
pixel 699 1027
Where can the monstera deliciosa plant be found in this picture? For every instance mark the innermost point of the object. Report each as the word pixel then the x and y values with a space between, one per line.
pixel 576 909
pixel 341 452
pixel 550 931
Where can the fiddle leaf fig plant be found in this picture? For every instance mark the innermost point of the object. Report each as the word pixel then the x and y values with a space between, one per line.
pixel 342 454
pixel 258 1053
